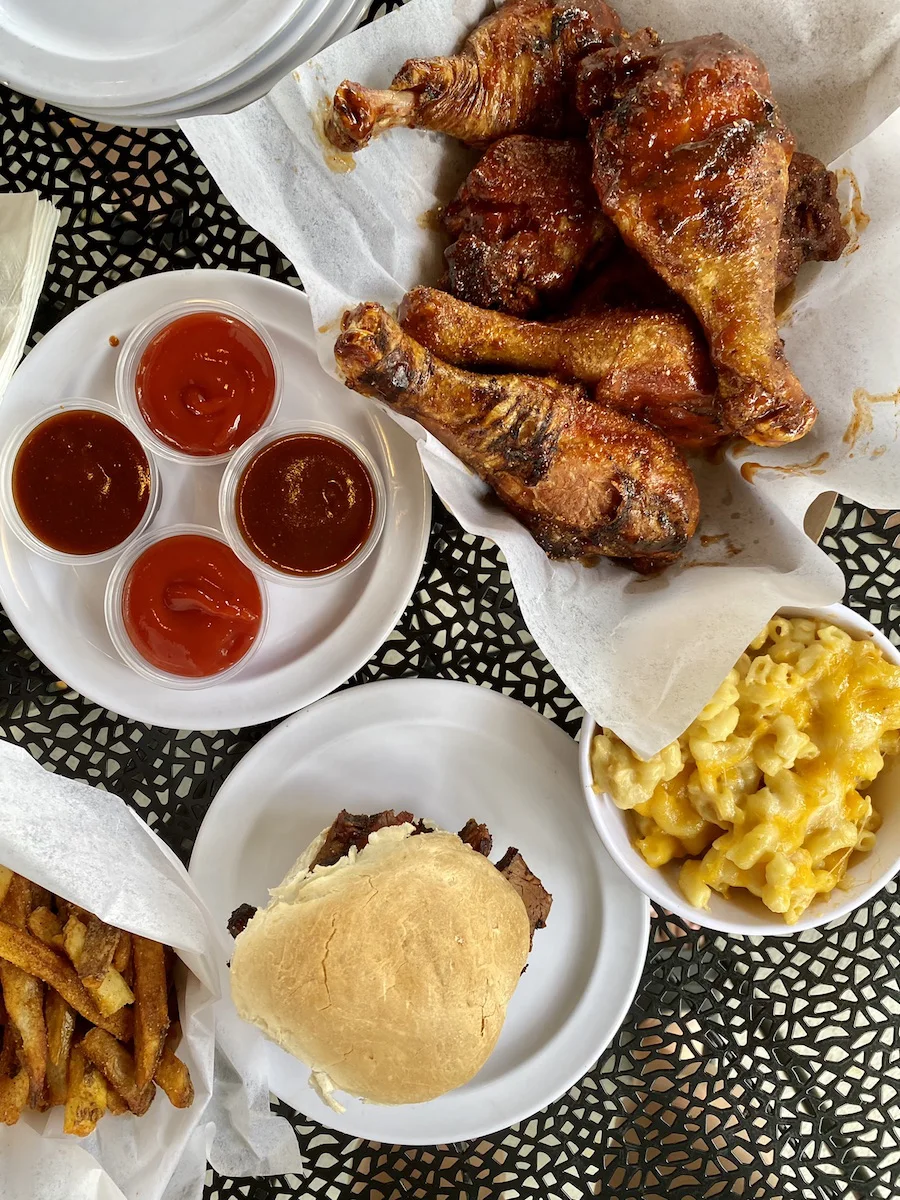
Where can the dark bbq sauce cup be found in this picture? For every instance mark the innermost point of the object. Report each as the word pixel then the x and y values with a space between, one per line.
pixel 303 504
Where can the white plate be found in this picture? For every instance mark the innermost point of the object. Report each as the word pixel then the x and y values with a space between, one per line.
pixel 448 751
pixel 130 52
pixel 317 637
pixel 321 23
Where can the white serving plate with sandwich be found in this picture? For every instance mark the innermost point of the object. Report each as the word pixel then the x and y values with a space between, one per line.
pixel 447 752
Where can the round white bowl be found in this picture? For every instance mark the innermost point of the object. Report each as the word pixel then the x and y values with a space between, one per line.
pixel 741 912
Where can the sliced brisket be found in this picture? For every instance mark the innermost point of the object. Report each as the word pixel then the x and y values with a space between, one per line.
pixel 350 830
pixel 477 836
pixel 240 918
pixel 535 897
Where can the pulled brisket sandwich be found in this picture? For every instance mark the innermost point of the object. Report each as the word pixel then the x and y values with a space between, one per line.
pixel 387 957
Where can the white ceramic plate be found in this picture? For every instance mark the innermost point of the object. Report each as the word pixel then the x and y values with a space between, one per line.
pixel 320 23
pixel 740 911
pixel 448 751
pixel 317 636
pixel 129 52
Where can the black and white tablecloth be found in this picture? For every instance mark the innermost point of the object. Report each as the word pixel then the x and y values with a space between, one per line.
pixel 761 1071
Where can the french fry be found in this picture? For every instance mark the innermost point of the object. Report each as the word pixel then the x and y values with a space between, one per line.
pixel 13 1098
pixel 59 963
pixel 110 992
pixel 74 935
pixel 151 1006
pixel 24 999
pixel 122 957
pixel 60 1020
pixel 9 1055
pixel 32 956
pixel 113 993
pixel 97 953
pixel 17 902
pixel 86 1101
pixel 171 1073
pixel 47 926
pixel 118 1069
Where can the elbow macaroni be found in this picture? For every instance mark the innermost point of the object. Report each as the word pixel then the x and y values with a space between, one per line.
pixel 766 789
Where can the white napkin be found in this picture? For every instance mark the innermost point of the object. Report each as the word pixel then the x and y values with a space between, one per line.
pixel 88 846
pixel 27 227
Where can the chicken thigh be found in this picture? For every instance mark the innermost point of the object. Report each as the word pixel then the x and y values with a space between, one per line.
pixel 525 223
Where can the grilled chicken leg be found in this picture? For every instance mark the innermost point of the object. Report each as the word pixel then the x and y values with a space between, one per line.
pixel 691 163
pixel 514 74
pixel 525 223
pixel 585 480
pixel 653 365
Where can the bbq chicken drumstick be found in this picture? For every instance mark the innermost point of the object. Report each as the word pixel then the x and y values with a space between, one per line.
pixel 584 480
pixel 651 364
pixel 691 163
pixel 526 223
pixel 514 74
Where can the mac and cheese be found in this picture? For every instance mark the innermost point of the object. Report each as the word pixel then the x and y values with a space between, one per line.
pixel 766 789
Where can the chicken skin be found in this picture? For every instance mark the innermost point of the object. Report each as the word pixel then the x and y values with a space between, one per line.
pixel 514 74
pixel 691 163
pixel 585 480
pixel 527 227
pixel 812 230
pixel 525 223
pixel 653 365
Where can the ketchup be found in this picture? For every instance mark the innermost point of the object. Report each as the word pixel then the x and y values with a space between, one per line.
pixel 205 383
pixel 305 504
pixel 190 606
pixel 81 482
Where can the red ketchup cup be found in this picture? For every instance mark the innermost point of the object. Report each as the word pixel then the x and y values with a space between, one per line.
pixel 196 380
pixel 183 610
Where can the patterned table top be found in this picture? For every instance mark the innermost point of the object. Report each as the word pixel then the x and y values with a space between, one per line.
pixel 756 1070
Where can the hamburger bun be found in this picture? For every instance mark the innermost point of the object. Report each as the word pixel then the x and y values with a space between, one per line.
pixel 388 973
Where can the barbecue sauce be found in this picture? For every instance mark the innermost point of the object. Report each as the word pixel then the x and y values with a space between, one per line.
pixel 305 504
pixel 81 482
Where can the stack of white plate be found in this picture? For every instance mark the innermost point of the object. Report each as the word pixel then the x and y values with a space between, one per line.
pixel 152 62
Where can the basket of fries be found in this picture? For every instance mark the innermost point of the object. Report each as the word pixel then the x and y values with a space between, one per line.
pixel 109 976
